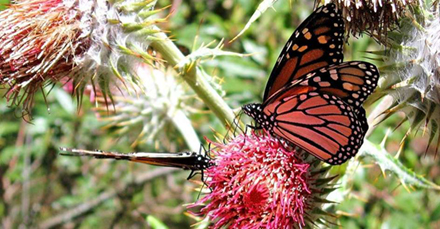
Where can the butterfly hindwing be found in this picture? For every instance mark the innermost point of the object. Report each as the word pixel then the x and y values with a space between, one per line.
pixel 362 117
pixel 316 43
pixel 323 125
pixel 351 81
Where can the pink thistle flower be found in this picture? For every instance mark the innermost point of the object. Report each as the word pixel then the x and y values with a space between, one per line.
pixel 38 40
pixel 87 41
pixel 257 183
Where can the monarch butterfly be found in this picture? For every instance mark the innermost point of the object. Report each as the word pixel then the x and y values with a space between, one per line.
pixel 186 160
pixel 312 99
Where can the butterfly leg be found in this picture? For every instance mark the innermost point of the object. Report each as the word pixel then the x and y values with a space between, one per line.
pixel 246 131
pixel 201 189
pixel 204 182
pixel 191 175
pixel 252 128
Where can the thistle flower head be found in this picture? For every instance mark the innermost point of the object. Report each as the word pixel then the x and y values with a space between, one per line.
pixel 257 183
pixel 373 16
pixel 89 41
pixel 411 73
pixel 146 107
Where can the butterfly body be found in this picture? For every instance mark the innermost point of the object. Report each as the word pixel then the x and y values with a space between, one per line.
pixel 314 100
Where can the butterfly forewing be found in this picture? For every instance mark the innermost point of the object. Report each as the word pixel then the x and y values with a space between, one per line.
pixel 322 124
pixel 316 43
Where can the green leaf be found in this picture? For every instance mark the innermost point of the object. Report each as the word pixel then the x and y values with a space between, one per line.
pixel 435 214
pixel 155 223
pixel 8 128
pixel 399 220
pixel 389 163
pixel 3 4
pixel 6 154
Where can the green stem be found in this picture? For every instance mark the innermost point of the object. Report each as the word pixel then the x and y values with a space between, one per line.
pixel 193 76
pixel 183 124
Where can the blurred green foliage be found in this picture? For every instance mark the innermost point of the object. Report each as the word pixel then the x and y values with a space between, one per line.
pixel 39 187
pixel 3 4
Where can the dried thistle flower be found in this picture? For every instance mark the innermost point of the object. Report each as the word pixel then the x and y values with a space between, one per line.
pixel 375 17
pixel 89 41
pixel 257 183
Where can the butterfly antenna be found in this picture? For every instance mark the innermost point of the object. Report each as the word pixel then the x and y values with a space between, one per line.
pixel 246 132
pixel 229 127
pixel 232 128
pixel 237 122
pixel 200 150
pixel 208 152
pixel 203 151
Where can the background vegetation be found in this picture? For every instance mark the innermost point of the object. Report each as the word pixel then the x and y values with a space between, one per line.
pixel 40 188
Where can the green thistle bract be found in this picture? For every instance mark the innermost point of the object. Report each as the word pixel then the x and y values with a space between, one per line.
pixel 411 74
pixel 146 108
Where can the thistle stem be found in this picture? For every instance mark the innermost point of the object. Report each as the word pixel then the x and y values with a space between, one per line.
pixel 183 124
pixel 193 76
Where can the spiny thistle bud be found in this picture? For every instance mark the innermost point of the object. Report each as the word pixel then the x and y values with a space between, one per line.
pixel 256 182
pixel 375 17
pixel 88 41
pixel 412 73
pixel 145 108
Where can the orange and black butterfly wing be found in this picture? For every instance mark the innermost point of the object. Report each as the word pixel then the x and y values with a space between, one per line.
pixel 316 43
pixel 362 117
pixel 351 81
pixel 322 124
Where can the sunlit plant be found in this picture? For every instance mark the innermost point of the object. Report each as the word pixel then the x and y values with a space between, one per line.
pixel 139 81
